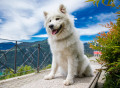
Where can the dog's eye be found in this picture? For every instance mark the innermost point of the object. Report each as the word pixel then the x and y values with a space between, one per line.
pixel 49 20
pixel 57 18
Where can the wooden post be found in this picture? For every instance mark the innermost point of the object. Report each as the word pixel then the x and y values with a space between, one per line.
pixel 15 57
pixel 38 58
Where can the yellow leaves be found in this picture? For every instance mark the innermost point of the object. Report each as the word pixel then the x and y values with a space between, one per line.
pixel 111 23
pixel 117 12
pixel 89 0
pixel 97 2
pixel 113 4
pixel 107 25
pixel 103 2
pixel 91 46
pixel 104 34
pixel 110 2
pixel 94 2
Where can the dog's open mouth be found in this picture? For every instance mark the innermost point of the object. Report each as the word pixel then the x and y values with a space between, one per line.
pixel 55 31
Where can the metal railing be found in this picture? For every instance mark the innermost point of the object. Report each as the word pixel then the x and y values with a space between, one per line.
pixel 18 54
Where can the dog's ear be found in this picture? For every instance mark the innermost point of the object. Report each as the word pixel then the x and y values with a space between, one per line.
pixel 45 14
pixel 62 9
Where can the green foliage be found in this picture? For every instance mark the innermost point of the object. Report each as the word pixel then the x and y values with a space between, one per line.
pixel 21 71
pixel 109 45
pixel 47 67
pixel 112 81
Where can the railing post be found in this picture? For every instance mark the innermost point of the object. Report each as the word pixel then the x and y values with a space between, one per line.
pixel 15 57
pixel 38 58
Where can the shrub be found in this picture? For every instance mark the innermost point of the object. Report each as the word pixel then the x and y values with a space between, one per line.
pixel 47 67
pixel 109 44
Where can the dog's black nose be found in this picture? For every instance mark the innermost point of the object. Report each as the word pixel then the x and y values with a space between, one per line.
pixel 51 26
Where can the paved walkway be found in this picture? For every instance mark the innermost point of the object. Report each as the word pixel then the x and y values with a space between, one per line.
pixel 36 81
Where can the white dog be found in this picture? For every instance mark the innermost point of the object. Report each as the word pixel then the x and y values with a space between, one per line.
pixel 66 47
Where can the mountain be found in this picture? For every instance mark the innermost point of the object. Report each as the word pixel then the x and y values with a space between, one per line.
pixel 88 51
pixel 5 46
pixel 27 53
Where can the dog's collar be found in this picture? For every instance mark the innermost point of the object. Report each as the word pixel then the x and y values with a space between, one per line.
pixel 64 38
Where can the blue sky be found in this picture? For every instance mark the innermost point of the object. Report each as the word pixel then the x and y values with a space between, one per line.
pixel 23 20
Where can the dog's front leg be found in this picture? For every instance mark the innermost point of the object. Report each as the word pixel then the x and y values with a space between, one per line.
pixel 71 68
pixel 53 70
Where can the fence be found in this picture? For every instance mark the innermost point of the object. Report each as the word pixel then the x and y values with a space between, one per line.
pixel 14 55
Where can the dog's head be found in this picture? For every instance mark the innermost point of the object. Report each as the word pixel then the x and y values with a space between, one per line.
pixel 55 23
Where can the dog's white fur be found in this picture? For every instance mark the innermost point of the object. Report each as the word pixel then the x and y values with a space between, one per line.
pixel 66 48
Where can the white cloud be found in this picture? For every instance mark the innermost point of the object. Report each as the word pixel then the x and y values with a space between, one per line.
pixel 42 35
pixel 86 41
pixel 106 17
pixel 24 17
pixel 83 18
pixel 90 17
pixel 75 18
pixel 0 20
pixel 92 30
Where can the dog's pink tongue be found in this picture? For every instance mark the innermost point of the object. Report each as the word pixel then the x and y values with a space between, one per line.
pixel 54 32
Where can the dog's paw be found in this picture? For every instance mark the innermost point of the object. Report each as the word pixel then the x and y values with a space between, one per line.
pixel 48 77
pixel 68 82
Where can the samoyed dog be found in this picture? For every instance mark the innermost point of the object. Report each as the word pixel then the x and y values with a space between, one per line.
pixel 66 47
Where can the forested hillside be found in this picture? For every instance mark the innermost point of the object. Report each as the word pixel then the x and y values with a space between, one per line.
pixel 27 53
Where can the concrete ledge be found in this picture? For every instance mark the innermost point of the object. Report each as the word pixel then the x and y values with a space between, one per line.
pixel 18 77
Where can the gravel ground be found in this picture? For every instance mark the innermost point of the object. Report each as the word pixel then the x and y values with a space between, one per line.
pixel 36 81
